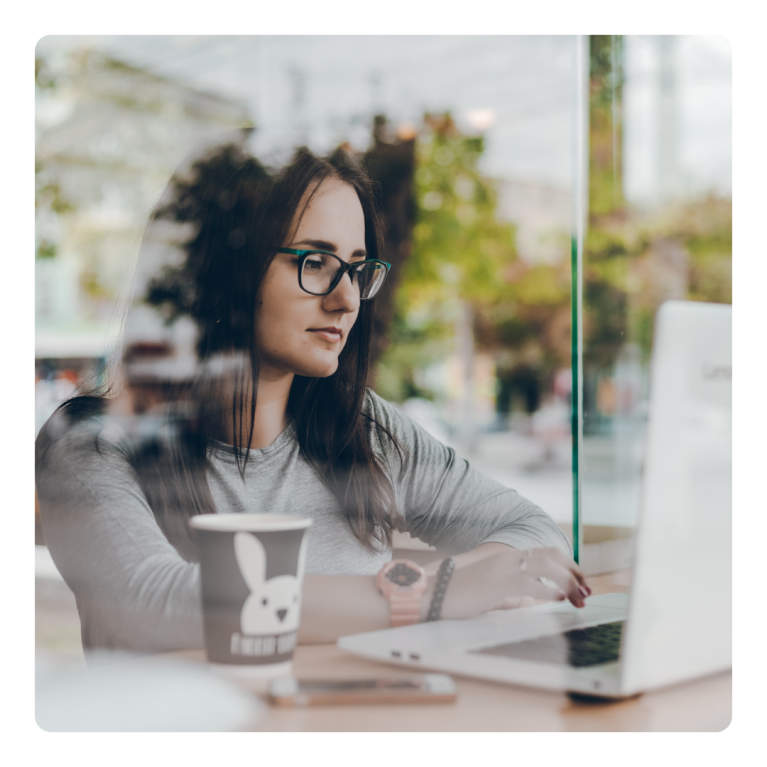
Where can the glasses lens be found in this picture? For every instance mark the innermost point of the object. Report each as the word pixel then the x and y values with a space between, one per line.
pixel 370 276
pixel 319 272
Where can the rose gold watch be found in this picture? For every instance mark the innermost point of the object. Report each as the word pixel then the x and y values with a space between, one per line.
pixel 403 584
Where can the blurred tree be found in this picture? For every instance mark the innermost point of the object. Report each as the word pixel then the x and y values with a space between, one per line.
pixel 214 200
pixel 606 251
pixel 464 270
pixel 50 201
pixel 390 162
pixel 459 250
pixel 108 136
pixel 634 260
pixel 705 229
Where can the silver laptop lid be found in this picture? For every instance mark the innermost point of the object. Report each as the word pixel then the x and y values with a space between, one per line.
pixel 680 613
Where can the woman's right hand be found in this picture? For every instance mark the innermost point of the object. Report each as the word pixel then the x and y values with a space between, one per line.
pixel 509 576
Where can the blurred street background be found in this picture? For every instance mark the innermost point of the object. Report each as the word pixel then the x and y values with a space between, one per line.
pixel 472 142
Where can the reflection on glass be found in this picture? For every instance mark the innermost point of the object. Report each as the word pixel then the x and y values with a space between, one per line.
pixel 659 228
pixel 469 139
pixel 467 143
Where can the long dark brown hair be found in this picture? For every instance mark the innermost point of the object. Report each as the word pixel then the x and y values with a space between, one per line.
pixel 239 213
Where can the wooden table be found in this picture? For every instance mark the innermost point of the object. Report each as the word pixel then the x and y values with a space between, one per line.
pixel 704 705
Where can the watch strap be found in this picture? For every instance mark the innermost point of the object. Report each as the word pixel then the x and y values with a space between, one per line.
pixel 404 603
pixel 405 609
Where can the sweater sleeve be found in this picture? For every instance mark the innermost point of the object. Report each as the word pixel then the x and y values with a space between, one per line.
pixel 446 502
pixel 133 589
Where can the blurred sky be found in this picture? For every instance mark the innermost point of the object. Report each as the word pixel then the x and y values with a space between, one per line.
pixel 324 89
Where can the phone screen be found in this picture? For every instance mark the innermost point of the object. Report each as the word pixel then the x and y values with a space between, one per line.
pixel 421 688
pixel 358 685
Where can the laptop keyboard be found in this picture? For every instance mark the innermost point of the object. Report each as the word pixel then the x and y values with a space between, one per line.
pixel 579 647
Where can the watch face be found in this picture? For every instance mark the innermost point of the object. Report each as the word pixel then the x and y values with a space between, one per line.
pixel 403 575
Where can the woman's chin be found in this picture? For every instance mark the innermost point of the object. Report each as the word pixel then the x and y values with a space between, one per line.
pixel 318 369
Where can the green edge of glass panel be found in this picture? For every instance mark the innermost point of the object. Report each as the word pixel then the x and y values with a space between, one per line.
pixel 575 404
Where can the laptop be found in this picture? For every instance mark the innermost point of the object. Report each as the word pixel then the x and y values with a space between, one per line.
pixel 676 622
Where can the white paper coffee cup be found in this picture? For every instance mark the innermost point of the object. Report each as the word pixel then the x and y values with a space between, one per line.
pixel 252 568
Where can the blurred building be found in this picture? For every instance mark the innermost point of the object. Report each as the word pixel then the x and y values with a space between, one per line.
pixel 108 138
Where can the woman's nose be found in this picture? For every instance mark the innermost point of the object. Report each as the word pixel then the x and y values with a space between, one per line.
pixel 345 297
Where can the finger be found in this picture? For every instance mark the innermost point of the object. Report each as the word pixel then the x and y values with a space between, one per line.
pixel 567 562
pixel 560 558
pixel 547 568
pixel 565 579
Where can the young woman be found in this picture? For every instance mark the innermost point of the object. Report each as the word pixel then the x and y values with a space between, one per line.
pixel 278 271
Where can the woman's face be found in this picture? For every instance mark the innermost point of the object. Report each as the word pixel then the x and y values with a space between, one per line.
pixel 296 332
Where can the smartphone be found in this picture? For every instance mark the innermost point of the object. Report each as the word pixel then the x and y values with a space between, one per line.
pixel 421 688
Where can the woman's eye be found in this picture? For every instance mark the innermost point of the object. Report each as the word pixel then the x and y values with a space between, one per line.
pixel 313 264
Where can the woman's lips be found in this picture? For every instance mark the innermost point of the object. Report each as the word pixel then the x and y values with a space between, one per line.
pixel 328 334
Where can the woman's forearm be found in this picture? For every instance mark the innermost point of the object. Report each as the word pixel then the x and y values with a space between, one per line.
pixel 335 605
pixel 474 555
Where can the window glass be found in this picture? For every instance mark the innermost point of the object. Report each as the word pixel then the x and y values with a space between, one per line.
pixel 470 139
pixel 658 226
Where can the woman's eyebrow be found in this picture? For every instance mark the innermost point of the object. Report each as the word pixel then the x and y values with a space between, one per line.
pixel 330 246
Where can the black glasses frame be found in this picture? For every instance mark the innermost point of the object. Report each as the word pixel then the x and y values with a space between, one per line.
pixel 345 267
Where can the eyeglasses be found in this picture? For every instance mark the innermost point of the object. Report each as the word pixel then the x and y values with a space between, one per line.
pixel 319 272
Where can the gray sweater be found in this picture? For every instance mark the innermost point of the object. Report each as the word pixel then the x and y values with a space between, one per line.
pixel 134 590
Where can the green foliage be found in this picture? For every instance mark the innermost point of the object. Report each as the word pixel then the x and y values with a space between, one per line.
pixel 44 76
pixel 45 249
pixel 49 195
pixel 605 125
pixel 414 344
pixel 459 247
pixel 627 269
pixel 92 285
pixel 460 253
pixel 49 199
pixel 705 230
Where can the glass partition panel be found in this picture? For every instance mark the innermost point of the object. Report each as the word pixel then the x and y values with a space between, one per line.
pixel 659 227
pixel 470 141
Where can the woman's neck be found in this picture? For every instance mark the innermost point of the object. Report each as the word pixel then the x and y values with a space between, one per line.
pixel 271 416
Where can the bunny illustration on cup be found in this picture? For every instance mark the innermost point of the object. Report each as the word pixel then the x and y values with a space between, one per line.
pixel 251 620
pixel 274 605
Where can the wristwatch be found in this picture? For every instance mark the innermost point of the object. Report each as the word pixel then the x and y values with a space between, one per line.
pixel 403 584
